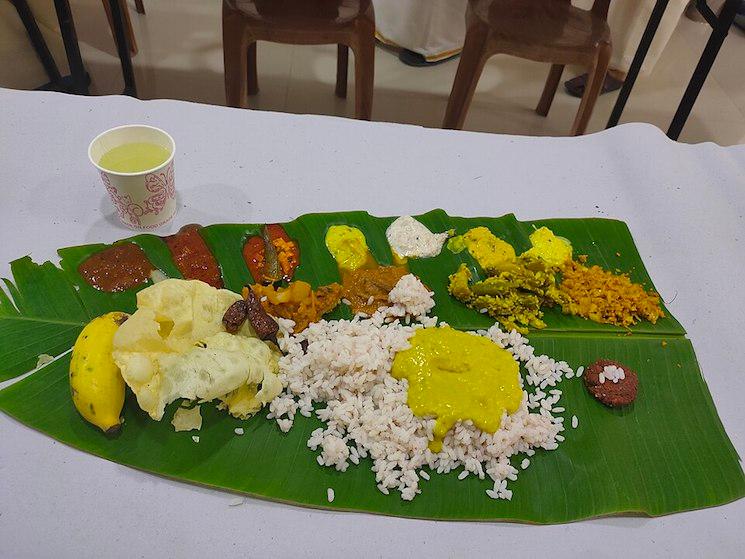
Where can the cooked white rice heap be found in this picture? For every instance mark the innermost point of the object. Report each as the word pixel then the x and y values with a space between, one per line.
pixel 346 366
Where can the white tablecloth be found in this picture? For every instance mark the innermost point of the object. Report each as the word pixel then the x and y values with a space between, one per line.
pixel 683 203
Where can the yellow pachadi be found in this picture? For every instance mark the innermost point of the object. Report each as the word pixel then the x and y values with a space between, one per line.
pixel 552 249
pixel 348 247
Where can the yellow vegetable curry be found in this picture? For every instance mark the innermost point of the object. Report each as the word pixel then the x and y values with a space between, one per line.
pixel 491 252
pixel 454 376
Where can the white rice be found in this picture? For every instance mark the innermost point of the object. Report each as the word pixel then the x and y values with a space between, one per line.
pixel 156 276
pixel 330 495
pixel 409 297
pixel 612 373
pixel 238 430
pixel 575 422
pixel 195 438
pixel 345 368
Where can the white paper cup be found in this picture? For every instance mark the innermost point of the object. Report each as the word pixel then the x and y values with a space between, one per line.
pixel 144 200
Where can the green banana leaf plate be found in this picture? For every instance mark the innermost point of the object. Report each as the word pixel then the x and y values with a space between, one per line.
pixel 666 453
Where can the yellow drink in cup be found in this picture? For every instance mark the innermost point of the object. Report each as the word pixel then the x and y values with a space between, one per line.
pixel 136 166
pixel 134 157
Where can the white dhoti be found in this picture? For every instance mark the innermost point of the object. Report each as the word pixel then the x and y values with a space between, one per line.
pixel 436 28
pixel 433 28
pixel 628 19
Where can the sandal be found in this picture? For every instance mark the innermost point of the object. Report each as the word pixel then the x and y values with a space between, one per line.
pixel 576 86
pixel 411 58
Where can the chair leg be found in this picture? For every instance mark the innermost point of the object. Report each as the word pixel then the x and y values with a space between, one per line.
pixel 127 23
pixel 252 70
pixel 235 58
pixel 38 42
pixel 554 77
pixel 342 63
pixel 364 71
pixel 140 7
pixel 594 85
pixel 472 60
pixel 109 17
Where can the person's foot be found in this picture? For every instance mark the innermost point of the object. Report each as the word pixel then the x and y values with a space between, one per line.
pixel 576 86
pixel 740 17
pixel 411 58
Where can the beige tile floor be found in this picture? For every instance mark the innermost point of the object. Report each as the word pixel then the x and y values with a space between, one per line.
pixel 181 58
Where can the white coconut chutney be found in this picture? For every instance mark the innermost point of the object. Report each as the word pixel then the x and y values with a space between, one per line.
pixel 411 239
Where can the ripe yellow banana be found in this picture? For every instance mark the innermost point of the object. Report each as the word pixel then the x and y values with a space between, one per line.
pixel 96 384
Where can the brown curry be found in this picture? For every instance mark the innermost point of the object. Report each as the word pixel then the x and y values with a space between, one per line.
pixel 367 289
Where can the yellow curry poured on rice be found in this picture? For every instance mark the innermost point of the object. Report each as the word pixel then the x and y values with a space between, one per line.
pixel 454 376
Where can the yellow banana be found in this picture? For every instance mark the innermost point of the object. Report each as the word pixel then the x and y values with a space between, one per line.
pixel 96 384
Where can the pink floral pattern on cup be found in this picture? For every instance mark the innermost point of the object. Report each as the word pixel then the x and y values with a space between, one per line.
pixel 162 188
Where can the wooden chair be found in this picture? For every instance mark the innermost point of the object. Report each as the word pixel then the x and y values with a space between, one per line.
pixel 347 23
pixel 543 30
pixel 127 20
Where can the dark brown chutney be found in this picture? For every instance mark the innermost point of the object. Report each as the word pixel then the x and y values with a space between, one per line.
pixel 192 256
pixel 117 268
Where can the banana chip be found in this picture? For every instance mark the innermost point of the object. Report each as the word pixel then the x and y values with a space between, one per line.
pixel 175 346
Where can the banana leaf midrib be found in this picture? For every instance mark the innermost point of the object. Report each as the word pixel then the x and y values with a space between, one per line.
pixel 44 320
pixel 569 333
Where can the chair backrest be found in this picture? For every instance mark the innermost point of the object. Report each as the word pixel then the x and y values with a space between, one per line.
pixel 600 8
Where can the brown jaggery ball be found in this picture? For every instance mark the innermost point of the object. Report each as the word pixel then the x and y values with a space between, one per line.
pixel 612 394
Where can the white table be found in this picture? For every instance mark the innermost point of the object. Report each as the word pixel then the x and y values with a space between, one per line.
pixel 684 204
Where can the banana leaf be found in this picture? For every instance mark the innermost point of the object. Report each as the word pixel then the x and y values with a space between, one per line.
pixel 44 316
pixel 668 452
